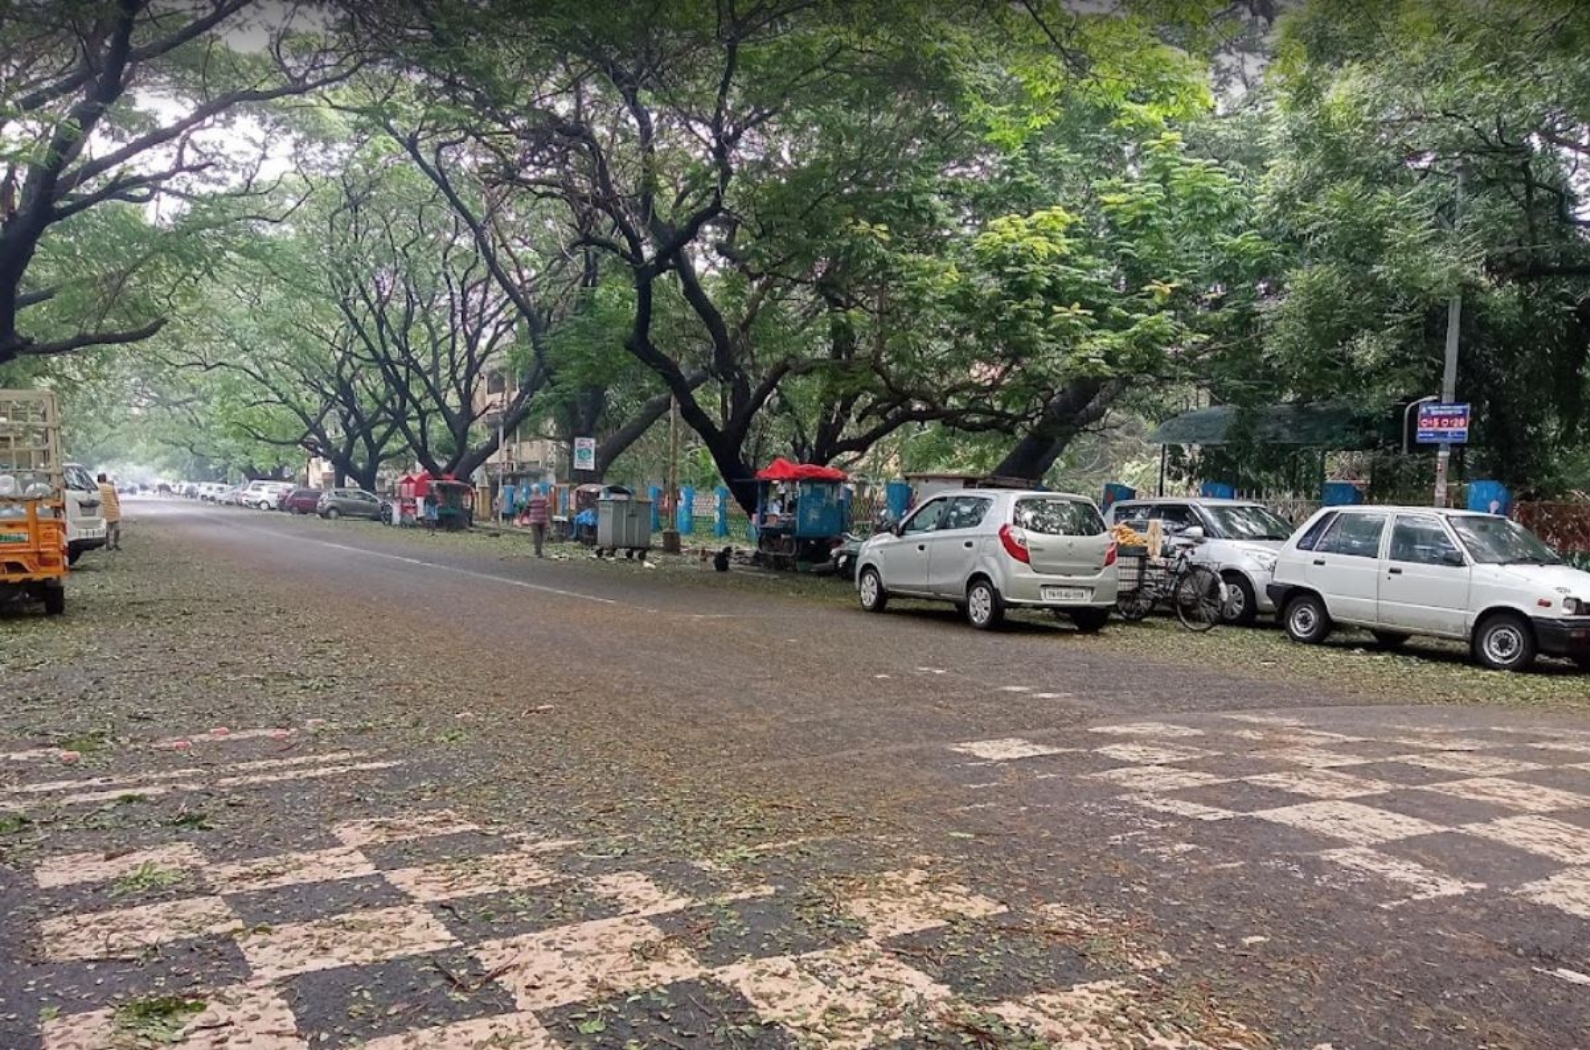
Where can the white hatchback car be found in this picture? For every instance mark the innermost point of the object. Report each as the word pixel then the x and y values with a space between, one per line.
pixel 1402 571
pixel 986 550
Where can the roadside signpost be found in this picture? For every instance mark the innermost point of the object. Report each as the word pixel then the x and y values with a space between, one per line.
pixel 584 453
pixel 1443 424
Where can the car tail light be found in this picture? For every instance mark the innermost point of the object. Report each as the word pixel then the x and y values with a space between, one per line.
pixel 1015 543
pixel 1110 553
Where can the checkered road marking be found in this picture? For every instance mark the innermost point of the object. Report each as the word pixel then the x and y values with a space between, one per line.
pixel 851 988
pixel 1391 808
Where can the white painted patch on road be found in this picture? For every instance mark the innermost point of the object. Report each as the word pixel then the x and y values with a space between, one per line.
pixel 1005 749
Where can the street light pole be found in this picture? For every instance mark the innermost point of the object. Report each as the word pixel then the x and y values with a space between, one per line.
pixel 1454 315
pixel 1408 412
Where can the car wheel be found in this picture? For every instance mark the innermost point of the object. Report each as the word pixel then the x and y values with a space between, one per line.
pixel 72 554
pixel 1090 621
pixel 1389 639
pixel 985 609
pixel 1504 642
pixel 870 588
pixel 1582 661
pixel 332 513
pixel 1306 619
pixel 1242 603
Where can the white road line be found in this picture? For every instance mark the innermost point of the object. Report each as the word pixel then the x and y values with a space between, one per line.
pixel 472 574
pixel 179 774
pixel 315 773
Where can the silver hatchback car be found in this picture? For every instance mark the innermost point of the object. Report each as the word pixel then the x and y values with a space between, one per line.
pixel 986 550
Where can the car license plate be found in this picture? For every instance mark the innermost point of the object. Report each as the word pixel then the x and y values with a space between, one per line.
pixel 1066 594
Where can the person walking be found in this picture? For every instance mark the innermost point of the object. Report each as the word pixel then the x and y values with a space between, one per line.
pixel 536 516
pixel 110 509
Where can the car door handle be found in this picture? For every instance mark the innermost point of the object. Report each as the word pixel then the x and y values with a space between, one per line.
pixel 1319 561
pixel 921 546
pixel 1394 571
pixel 968 545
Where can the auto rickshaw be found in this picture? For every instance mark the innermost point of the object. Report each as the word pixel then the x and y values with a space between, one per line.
pixel 33 556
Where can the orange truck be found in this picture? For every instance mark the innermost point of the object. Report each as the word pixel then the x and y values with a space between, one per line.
pixel 32 500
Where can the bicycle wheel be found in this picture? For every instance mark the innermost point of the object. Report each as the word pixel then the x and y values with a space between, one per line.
pixel 1199 599
pixel 1137 603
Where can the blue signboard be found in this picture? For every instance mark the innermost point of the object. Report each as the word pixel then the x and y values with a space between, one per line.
pixel 1443 424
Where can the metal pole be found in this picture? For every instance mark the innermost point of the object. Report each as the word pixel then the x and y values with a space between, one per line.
pixel 1454 315
pixel 1408 412
pixel 670 536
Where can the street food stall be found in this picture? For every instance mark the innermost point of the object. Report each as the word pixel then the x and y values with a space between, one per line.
pixel 800 513
pixel 451 505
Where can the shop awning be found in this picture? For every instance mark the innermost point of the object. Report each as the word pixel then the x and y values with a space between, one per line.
pixel 782 469
pixel 1331 425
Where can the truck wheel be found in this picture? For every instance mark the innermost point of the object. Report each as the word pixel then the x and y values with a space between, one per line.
pixel 1504 642
pixel 1307 621
pixel 72 554
pixel 54 600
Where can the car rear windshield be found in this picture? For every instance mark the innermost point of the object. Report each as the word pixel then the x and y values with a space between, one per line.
pixel 1058 517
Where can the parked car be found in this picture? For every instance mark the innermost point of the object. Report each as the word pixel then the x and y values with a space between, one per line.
pixel 1241 540
pixel 302 501
pixel 1403 571
pixel 85 522
pixel 987 550
pixel 348 503
pixel 263 494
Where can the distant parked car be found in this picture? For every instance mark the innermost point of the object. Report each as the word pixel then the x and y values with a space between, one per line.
pixel 263 494
pixel 1240 543
pixel 987 550
pixel 302 501
pixel 1402 571
pixel 348 503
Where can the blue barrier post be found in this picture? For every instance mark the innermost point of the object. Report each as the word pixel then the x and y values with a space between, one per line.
pixel 1114 492
pixel 655 492
pixel 1341 494
pixel 720 518
pixel 1490 497
pixel 685 519
pixel 897 497
pixel 1217 490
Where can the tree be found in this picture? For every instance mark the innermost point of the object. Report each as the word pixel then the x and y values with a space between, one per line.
pixel 80 139
pixel 1379 110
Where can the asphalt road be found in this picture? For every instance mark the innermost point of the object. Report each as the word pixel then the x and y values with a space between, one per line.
pixel 754 818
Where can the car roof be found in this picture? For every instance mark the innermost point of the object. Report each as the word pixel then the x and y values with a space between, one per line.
pixel 1020 493
pixel 1448 512
pixel 1202 501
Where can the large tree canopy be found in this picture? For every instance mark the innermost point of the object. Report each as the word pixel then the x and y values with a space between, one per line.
pixel 873 235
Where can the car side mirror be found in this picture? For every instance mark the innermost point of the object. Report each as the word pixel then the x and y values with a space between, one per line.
pixel 1193 532
pixel 1453 558
pixel 897 528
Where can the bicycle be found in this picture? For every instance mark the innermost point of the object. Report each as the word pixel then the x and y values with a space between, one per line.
pixel 1196 592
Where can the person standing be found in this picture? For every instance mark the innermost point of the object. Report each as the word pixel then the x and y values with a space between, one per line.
pixel 110 509
pixel 536 516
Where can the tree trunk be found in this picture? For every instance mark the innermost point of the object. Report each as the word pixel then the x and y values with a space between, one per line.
pixel 1071 411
